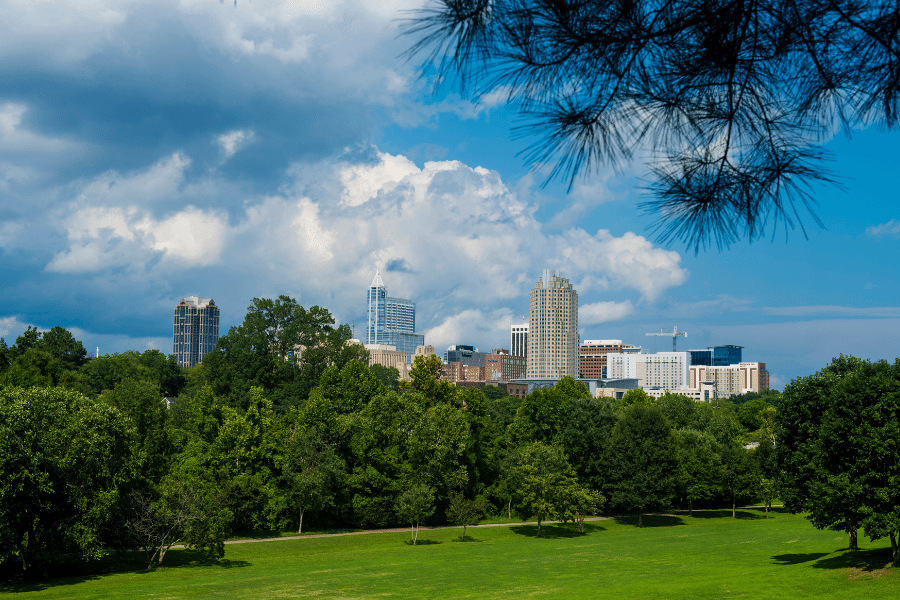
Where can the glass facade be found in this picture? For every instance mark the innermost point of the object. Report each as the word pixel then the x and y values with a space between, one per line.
pixel 195 331
pixel 391 321
pixel 717 356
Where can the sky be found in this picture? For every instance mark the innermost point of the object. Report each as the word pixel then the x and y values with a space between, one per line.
pixel 151 150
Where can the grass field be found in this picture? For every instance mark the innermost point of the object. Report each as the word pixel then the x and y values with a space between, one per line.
pixel 709 555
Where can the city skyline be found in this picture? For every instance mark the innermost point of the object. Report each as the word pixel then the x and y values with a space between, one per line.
pixel 148 149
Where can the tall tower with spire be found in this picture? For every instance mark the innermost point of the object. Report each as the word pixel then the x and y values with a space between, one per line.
pixel 391 321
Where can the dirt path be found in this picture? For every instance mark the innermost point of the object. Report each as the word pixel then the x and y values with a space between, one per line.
pixel 404 529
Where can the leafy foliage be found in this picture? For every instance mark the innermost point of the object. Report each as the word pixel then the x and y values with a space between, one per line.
pixel 730 97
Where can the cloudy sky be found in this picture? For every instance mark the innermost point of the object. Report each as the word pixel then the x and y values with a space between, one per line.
pixel 153 149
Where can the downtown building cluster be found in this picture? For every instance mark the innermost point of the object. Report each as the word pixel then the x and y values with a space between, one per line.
pixel 541 351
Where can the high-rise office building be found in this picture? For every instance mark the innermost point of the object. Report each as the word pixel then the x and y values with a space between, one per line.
pixel 196 329
pixel 553 328
pixel 391 321
pixel 518 340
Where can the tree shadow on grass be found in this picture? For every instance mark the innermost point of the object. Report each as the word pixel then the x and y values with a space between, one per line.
pixel 467 539
pixel 798 558
pixel 741 513
pixel 422 542
pixel 60 575
pixel 552 531
pixel 651 520
pixel 872 560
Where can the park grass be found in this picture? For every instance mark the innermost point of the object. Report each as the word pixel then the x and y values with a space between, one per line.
pixel 709 555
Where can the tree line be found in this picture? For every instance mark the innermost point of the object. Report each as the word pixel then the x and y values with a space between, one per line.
pixel 285 425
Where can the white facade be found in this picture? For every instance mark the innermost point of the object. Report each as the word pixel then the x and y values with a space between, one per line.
pixel 518 340
pixel 664 370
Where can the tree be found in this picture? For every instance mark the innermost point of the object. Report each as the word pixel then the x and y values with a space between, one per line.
pixel 425 378
pixel 543 480
pixel 739 474
pixel 63 460
pixel 636 396
pixel 572 388
pixel 583 502
pixel 310 473
pixel 699 465
pixel 730 96
pixel 187 512
pixel 388 376
pixel 280 347
pixel 805 403
pixel 678 409
pixel 541 416
pixel 464 512
pixel 64 347
pixel 585 438
pixel 858 457
pixel 414 506
pixel 644 455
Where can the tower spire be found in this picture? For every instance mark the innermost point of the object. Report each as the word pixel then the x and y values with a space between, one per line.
pixel 377 282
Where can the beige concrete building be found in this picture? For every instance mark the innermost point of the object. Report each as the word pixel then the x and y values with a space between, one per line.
pixel 388 356
pixel 733 379
pixel 552 328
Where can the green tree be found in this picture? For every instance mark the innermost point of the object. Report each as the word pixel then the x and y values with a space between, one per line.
pixel 740 478
pixel 644 454
pixel 678 409
pixel 33 367
pixel 859 458
pixel 464 512
pixel 280 347
pixel 699 465
pixel 310 475
pixel 541 416
pixel 165 370
pixel 804 404
pixel 585 438
pixel 729 94
pixel 63 459
pixel 572 388
pixel 636 396
pixel 414 506
pixel 63 346
pixel 583 502
pixel 425 378
pixel 388 376
pixel 187 511
pixel 543 480
pixel 142 404
pixel 107 371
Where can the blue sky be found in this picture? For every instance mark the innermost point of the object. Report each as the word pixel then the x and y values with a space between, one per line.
pixel 151 150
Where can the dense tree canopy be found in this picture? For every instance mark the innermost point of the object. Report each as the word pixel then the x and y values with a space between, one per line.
pixel 731 98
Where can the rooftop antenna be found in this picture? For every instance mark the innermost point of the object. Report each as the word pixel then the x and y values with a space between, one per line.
pixel 674 335
pixel 98 351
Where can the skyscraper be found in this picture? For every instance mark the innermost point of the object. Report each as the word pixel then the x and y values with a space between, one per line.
pixel 196 329
pixel 391 321
pixel 553 328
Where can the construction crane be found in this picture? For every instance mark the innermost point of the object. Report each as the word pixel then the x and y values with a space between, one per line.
pixel 674 335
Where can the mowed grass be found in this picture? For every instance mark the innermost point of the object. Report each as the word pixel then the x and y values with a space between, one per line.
pixel 709 555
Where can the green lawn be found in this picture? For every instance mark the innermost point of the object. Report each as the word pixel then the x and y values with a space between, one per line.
pixel 707 556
